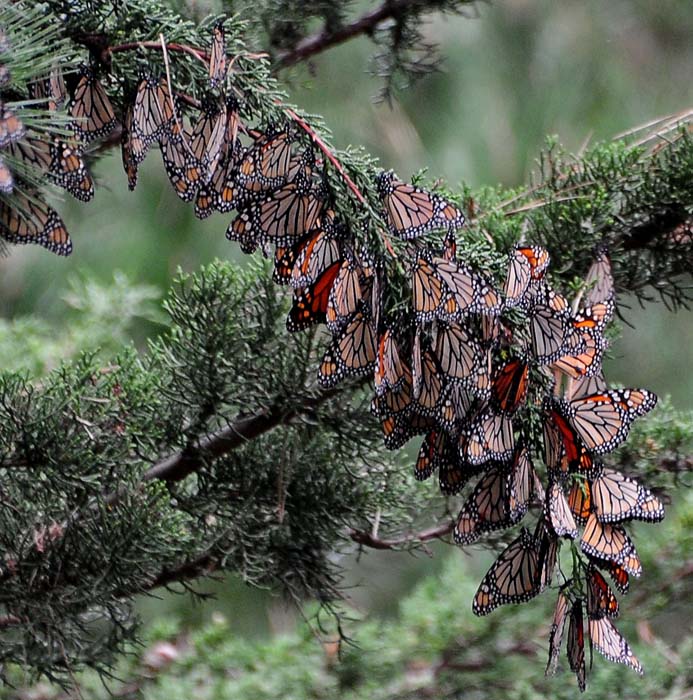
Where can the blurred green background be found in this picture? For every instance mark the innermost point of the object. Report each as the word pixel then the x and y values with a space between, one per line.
pixel 513 73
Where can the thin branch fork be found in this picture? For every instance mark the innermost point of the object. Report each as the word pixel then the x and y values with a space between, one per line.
pixel 326 39
pixel 368 539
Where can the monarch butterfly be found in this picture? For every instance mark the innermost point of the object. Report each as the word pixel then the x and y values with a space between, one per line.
pixel 6 179
pixel 91 110
pixel 5 75
pixel 547 555
pixel 585 386
pixel 206 143
pixel 616 572
pixel 153 116
pixel 389 369
pixel 352 352
pixel 51 90
pixel 601 600
pixel 585 358
pixel 499 500
pixel 449 251
pixel 615 497
pixel 322 250
pixel 450 291
pixel 527 265
pixel 222 192
pixel 576 644
pixel 310 303
pixel 282 217
pixel 411 212
pixel 556 634
pixel 267 164
pixel 600 280
pixel 429 454
pixel 513 578
pixel 609 642
pixel 347 293
pixel 549 327
pixel 11 128
pixel 394 402
pixel 509 385
pixel 61 163
pixel 458 353
pixel 601 422
pixel 428 385
pixel 217 59
pixel 454 473
pixel 33 221
pixel 489 436
pixel 610 542
pixel 558 511
pixel 398 430
pixel 580 500
pixel 454 406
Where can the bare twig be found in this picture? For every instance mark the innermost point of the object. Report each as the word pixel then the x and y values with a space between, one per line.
pixel 326 39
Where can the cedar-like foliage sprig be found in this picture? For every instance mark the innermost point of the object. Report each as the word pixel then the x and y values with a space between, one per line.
pixel 87 522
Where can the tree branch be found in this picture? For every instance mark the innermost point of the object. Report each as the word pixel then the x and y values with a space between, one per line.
pixel 325 39
pixel 367 539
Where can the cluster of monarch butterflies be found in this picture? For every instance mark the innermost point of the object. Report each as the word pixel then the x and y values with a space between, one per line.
pixel 467 365
pixel 33 154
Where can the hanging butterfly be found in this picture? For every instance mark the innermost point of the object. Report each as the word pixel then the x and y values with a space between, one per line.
pixel 310 303
pixel 428 385
pixel 267 163
pixel 126 147
pixel 580 500
pixel 222 192
pixel 206 142
pixel 616 497
pixel 321 251
pixel 398 429
pixel 616 572
pixel 584 358
pixel 551 333
pixel 560 616
pixel 458 353
pixel 390 372
pixel 585 386
pixel 509 385
pixel 610 542
pixel 59 162
pixel 91 110
pixel 527 265
pixel 601 422
pixel 600 281
pixel 450 291
pixel 558 513
pixel 33 221
pixel 51 90
pixel 348 291
pixel 11 128
pixel 576 644
pixel 547 553
pixel 609 642
pixel 601 600
pixel 152 116
pixel 352 353
pixel 217 59
pixel 488 437
pixel 454 407
pixel 513 578
pixel 282 217
pixel 498 501
pixel 411 212
pixel 6 179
